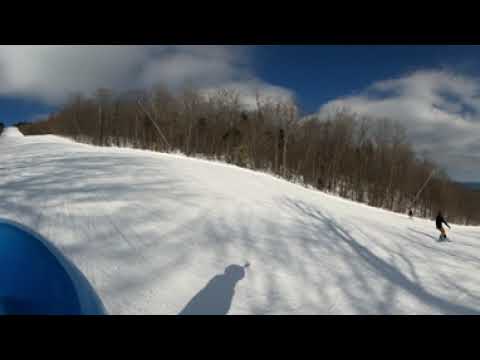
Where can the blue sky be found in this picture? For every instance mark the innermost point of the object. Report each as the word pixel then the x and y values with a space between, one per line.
pixel 319 74
pixel 16 109
pixel 428 88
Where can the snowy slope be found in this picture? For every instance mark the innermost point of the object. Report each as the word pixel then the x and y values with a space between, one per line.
pixel 11 132
pixel 150 231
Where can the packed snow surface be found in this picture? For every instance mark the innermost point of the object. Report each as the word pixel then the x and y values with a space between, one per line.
pixel 11 132
pixel 165 234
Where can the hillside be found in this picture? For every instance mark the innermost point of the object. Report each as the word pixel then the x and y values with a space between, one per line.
pixel 154 233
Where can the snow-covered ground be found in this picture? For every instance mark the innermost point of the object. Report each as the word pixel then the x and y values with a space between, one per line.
pixel 150 231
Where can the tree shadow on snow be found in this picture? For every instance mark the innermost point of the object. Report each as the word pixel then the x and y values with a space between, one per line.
pixel 217 296
pixel 393 275
pixel 425 234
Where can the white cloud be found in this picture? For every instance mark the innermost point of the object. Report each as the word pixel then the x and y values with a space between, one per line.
pixel 440 110
pixel 50 73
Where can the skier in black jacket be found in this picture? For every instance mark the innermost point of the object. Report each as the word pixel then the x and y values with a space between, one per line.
pixel 439 222
pixel 410 214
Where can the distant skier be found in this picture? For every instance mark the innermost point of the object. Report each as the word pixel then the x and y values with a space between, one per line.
pixel 410 214
pixel 440 221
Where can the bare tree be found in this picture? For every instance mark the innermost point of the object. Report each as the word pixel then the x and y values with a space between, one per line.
pixel 361 158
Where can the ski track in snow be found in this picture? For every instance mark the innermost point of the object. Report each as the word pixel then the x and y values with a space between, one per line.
pixel 150 231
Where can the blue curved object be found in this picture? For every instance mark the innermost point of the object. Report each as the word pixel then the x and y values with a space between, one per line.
pixel 35 278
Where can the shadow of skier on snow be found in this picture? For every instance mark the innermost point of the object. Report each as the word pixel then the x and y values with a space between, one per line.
pixel 217 296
